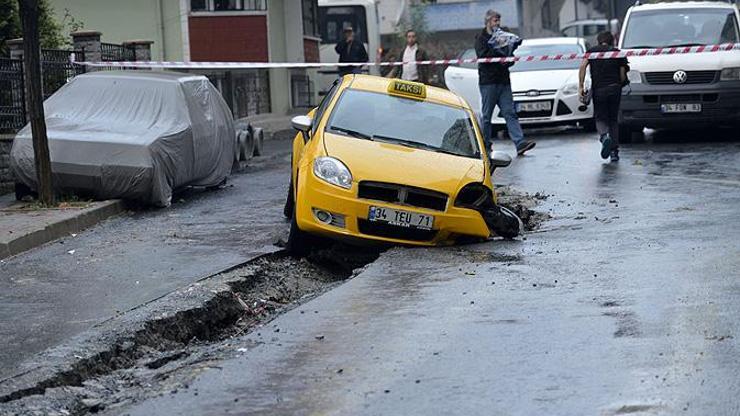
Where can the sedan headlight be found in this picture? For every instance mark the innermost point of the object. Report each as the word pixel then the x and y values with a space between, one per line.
pixel 730 74
pixel 333 171
pixel 634 76
pixel 569 89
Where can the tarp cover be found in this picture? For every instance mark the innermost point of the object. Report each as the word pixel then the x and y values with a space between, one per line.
pixel 132 134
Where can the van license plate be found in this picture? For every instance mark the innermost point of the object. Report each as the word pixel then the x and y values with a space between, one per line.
pixel 680 108
pixel 401 218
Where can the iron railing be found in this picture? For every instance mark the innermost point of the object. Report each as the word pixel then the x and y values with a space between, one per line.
pixel 12 96
pixel 250 93
pixel 110 52
pixel 301 91
pixel 57 68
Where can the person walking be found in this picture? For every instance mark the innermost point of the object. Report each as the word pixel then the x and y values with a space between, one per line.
pixel 350 50
pixel 413 53
pixel 608 76
pixel 495 87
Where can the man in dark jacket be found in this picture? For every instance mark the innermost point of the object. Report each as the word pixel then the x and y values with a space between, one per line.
pixel 412 54
pixel 495 88
pixel 350 50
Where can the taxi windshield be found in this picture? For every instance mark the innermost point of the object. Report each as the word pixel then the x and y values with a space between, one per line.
pixel 404 121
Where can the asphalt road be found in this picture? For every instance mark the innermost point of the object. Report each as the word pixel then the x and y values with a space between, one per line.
pixel 625 303
pixel 52 293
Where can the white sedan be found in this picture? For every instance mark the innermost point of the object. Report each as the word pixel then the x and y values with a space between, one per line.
pixel 545 92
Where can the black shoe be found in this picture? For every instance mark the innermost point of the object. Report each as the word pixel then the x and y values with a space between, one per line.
pixel 524 147
pixel 615 155
pixel 606 145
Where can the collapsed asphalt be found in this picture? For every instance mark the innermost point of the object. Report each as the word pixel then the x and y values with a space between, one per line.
pixel 623 302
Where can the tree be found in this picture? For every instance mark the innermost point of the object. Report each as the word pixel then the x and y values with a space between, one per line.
pixel 50 31
pixel 30 17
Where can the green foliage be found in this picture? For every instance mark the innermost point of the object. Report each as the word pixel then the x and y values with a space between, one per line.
pixel 415 20
pixel 50 31
pixel 10 25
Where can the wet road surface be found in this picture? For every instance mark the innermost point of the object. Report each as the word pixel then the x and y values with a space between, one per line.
pixel 48 295
pixel 626 302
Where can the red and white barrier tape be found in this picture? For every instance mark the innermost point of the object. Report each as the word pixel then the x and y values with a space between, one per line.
pixel 681 50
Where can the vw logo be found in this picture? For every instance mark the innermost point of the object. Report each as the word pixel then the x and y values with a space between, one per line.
pixel 679 77
pixel 534 93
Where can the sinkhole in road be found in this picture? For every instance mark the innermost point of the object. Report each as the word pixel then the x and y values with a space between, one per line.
pixel 146 355
pixel 250 295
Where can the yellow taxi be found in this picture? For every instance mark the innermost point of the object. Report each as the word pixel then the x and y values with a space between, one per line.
pixel 391 161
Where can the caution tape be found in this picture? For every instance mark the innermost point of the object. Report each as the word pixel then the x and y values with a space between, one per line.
pixel 680 50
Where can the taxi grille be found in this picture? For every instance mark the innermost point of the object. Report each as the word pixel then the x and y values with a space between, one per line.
pixel 394 231
pixel 402 194
pixel 692 77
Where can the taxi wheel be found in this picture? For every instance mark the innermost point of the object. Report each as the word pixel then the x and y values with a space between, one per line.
pixel 299 242
pixel 503 222
pixel 288 208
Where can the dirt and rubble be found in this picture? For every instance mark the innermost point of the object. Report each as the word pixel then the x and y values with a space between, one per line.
pixel 191 329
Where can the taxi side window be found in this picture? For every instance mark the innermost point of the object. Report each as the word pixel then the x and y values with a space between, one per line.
pixel 324 104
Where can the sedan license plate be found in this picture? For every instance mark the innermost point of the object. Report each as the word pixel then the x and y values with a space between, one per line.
pixel 534 106
pixel 401 218
pixel 680 108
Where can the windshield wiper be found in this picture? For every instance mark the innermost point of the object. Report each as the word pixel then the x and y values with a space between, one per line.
pixel 352 133
pixel 403 142
pixel 413 144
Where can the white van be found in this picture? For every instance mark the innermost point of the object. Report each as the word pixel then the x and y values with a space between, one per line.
pixel 680 90
pixel 334 16
pixel 589 28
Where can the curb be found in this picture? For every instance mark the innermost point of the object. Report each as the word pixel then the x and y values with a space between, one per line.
pixel 86 219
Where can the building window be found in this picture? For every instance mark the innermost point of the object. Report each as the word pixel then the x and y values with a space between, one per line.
pixel 198 5
pixel 227 5
pixel 311 17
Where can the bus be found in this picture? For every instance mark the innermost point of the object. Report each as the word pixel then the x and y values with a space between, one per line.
pixel 334 16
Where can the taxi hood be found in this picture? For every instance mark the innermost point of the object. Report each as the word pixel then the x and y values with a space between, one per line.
pixel 392 163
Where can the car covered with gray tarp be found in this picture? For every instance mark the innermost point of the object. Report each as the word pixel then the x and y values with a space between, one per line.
pixel 132 134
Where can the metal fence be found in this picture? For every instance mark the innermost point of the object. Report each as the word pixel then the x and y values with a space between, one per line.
pixel 301 90
pixel 250 93
pixel 57 68
pixel 12 98
pixel 111 52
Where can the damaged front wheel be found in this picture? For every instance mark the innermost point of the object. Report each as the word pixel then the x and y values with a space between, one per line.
pixel 502 221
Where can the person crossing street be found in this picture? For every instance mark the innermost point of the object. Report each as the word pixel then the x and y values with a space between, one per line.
pixel 495 88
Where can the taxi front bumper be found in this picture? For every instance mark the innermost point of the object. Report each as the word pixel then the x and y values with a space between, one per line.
pixel 350 218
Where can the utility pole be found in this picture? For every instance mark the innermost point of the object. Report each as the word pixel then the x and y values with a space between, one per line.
pixel 29 11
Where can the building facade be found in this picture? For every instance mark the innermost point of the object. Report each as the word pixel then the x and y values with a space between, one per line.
pixel 219 31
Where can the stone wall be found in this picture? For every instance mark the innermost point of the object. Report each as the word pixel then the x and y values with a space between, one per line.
pixel 6 179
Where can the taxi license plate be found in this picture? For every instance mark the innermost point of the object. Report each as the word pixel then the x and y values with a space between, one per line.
pixel 680 108
pixel 401 218
pixel 534 106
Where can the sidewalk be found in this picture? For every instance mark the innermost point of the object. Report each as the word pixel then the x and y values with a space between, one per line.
pixel 22 227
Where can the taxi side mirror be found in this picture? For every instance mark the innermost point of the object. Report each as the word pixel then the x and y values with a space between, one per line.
pixel 500 160
pixel 302 124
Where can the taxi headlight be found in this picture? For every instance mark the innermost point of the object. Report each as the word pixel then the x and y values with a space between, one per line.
pixel 634 76
pixel 569 89
pixel 730 74
pixel 333 171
